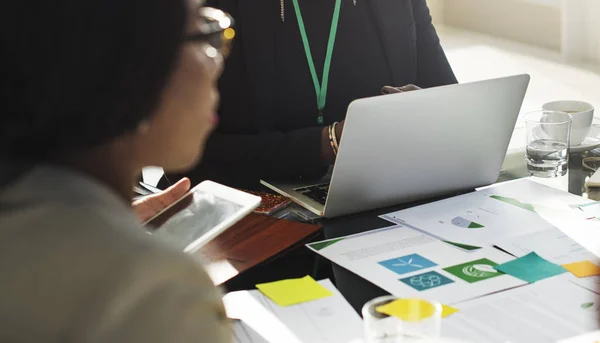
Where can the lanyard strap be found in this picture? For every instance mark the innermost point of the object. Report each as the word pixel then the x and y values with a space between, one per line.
pixel 320 89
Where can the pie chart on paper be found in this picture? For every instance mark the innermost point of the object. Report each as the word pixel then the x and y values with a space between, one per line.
pixel 466 223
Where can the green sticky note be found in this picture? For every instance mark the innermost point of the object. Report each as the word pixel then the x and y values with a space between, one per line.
pixel 531 268
pixel 294 291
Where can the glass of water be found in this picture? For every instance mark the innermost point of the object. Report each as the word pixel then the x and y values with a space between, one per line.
pixel 548 137
pixel 417 320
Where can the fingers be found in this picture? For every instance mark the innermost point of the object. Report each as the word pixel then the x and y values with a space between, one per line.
pixel 409 88
pixel 151 205
pixel 179 189
pixel 168 196
pixel 391 90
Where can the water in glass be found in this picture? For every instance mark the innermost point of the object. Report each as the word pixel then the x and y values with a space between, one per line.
pixel 547 158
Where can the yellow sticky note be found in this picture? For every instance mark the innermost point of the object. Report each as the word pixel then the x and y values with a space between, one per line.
pixel 583 269
pixel 448 311
pixel 294 291
pixel 413 309
pixel 410 310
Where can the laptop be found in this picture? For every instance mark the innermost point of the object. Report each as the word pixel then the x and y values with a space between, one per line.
pixel 411 146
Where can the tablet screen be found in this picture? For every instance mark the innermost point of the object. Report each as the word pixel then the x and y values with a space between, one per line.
pixel 192 217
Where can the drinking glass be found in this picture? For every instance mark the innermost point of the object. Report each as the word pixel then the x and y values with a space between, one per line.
pixel 548 138
pixel 420 323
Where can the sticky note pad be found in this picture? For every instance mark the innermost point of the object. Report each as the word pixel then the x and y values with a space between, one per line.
pixel 410 310
pixel 294 291
pixel 531 268
pixel 448 311
pixel 583 269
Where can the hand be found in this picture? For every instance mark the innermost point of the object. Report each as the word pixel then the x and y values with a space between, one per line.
pixel 151 205
pixel 391 90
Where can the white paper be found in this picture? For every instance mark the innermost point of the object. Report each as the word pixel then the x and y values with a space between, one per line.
pixel 591 211
pixel 591 283
pixel 243 333
pixel 326 320
pixel 494 213
pixel 551 244
pixel 408 263
pixel 584 232
pixel 589 337
pixel 556 247
pixel 542 312
pixel 558 208
pixel 539 191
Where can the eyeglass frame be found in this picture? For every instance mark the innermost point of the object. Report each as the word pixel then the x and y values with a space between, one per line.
pixel 218 24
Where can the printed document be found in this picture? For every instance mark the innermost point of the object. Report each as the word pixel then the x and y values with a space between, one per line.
pixel 551 244
pixel 545 311
pixel 501 211
pixel 409 263
pixel 326 320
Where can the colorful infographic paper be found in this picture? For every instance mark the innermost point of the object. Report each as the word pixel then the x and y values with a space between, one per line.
pixel 409 263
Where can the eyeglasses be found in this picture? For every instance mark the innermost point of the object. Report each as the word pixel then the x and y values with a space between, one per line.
pixel 216 29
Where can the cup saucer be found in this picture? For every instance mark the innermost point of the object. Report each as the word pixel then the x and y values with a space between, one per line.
pixel 588 143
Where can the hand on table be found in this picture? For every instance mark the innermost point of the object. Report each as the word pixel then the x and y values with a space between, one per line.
pixel 151 205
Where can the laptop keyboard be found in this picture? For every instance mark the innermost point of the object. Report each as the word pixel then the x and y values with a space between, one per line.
pixel 317 193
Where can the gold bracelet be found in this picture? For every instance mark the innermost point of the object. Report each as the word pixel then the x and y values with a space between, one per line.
pixel 335 141
pixel 332 138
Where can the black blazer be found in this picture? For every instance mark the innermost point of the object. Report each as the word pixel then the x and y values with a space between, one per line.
pixel 268 125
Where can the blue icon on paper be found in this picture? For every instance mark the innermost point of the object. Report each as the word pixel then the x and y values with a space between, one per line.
pixel 425 281
pixel 407 264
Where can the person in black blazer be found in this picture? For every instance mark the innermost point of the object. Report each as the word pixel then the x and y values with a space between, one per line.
pixel 270 122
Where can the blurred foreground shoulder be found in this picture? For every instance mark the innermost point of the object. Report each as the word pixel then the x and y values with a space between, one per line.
pixel 160 296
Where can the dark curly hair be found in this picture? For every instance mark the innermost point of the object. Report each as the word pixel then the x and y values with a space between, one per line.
pixel 78 73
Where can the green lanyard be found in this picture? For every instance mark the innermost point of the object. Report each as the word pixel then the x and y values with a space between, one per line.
pixel 320 89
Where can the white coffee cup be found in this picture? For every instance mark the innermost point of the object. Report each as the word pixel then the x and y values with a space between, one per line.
pixel 582 114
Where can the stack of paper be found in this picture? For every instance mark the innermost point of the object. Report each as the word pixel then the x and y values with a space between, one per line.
pixel 327 319
pixel 541 287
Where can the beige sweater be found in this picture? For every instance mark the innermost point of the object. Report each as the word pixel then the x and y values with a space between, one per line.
pixel 76 266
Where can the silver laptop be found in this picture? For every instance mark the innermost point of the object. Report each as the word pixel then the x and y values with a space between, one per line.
pixel 410 146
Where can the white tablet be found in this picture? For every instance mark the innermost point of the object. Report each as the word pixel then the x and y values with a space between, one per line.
pixel 201 215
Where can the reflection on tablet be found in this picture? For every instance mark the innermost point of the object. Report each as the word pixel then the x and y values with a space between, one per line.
pixel 192 218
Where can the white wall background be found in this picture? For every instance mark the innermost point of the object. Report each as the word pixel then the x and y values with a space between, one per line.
pixel 571 27
pixel 581 30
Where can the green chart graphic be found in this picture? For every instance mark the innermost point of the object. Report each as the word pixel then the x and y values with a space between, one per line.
pixel 465 223
pixel 324 244
pixel 514 202
pixel 590 307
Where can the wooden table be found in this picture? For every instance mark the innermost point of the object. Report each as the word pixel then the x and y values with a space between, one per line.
pixel 255 239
